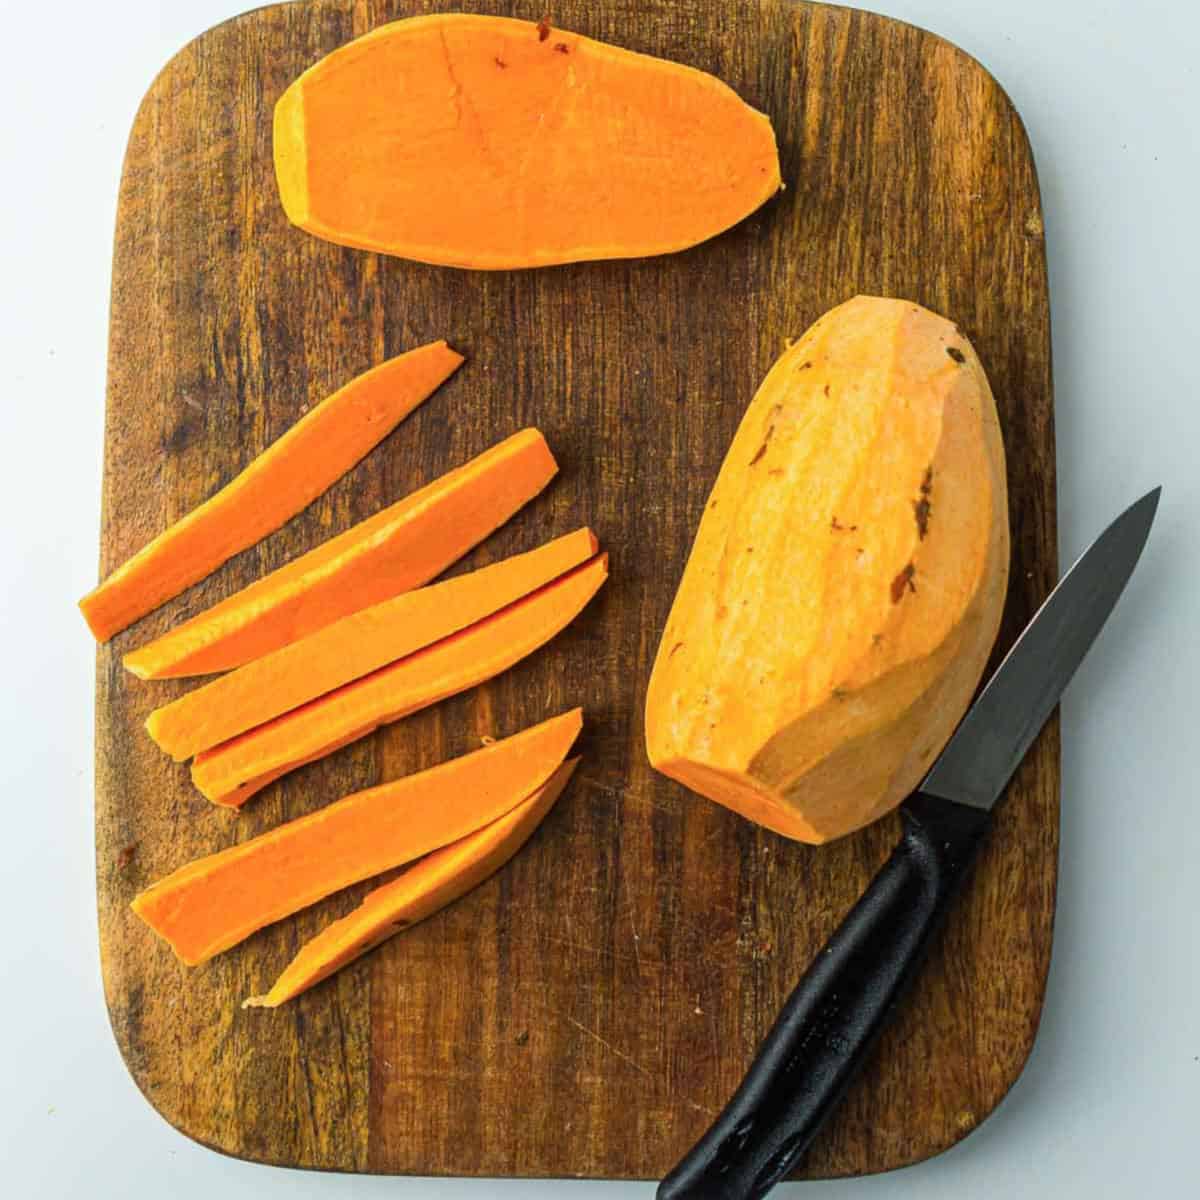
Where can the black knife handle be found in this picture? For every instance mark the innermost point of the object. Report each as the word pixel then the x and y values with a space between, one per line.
pixel 836 1012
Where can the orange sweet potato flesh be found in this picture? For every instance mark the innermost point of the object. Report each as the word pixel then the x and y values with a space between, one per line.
pixel 229 774
pixel 484 142
pixel 355 646
pixel 847 579
pixel 424 889
pixel 401 547
pixel 217 901
pixel 287 477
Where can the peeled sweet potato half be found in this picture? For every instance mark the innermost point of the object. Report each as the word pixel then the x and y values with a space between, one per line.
pixel 847 579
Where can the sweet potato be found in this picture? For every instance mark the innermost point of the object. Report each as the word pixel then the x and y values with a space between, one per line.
pixel 288 476
pixel 401 547
pixel 229 774
pixel 847 579
pixel 355 646
pixel 215 902
pixel 436 881
pixel 475 141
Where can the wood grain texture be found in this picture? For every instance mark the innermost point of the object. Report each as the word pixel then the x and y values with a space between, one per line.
pixel 587 1011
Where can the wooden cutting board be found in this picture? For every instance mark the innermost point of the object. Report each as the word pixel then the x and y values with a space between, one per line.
pixel 587 1011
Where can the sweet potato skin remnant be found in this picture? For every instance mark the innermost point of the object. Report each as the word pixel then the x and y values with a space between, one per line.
pixel 810 684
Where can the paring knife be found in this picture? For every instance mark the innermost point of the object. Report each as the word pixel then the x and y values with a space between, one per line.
pixel 839 1008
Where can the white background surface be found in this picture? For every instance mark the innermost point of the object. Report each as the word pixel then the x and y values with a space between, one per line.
pixel 1110 1103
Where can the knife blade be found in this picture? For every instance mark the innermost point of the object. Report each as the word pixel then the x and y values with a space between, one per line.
pixel 838 1009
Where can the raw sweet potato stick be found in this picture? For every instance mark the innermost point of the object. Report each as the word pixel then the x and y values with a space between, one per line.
pixel 232 772
pixel 401 547
pixel 285 478
pixel 436 881
pixel 355 646
pixel 215 902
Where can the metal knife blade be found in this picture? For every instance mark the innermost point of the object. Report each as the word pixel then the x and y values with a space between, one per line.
pixel 988 745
